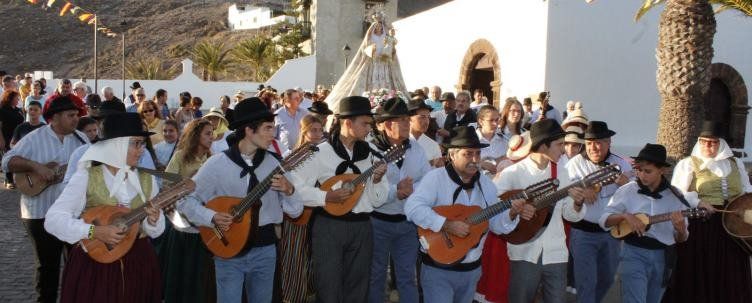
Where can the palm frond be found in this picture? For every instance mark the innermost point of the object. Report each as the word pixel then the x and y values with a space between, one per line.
pixel 646 6
pixel 743 6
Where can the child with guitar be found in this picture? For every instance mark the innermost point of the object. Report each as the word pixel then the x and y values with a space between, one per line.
pixel 106 177
pixel 648 255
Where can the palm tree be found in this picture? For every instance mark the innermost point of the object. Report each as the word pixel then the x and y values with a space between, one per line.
pixel 149 68
pixel 212 57
pixel 258 53
pixel 684 53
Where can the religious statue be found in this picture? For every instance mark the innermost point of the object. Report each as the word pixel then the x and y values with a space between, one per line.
pixel 375 66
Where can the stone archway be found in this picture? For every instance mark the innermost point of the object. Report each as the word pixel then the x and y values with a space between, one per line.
pixel 729 95
pixel 480 49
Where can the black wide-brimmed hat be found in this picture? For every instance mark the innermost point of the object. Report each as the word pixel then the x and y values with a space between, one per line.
pixel 354 106
pixel 109 108
pixel 545 131
pixel 598 130
pixel 447 96
pixel 392 108
pixel 320 108
pixel 249 110
pixel 464 137
pixel 653 153
pixel 59 104
pixel 416 104
pixel 123 125
pixel 711 129
pixel 135 85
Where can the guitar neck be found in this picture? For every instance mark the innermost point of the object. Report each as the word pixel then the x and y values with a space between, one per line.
pixel 556 196
pixel 495 209
pixel 366 174
pixel 160 201
pixel 666 216
pixel 255 194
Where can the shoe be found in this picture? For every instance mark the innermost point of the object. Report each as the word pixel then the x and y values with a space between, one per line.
pixel 10 186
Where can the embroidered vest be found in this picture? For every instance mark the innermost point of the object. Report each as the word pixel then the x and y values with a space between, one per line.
pixel 97 193
pixel 710 188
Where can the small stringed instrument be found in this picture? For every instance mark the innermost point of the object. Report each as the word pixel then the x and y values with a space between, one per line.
pixel 623 229
pixel 129 219
pixel 527 229
pixel 31 184
pixel 446 248
pixel 227 244
pixel 357 182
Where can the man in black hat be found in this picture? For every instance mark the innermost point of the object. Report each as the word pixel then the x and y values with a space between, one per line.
pixel 543 259
pixel 393 235
pixel 448 102
pixel 594 251
pixel 458 182
pixel 44 147
pixel 420 119
pixel 321 110
pixel 342 246
pixel 645 256
pixel 235 172
pixel 132 96
pixel 462 114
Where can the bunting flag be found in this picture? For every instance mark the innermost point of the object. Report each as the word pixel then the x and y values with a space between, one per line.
pixel 65 9
pixel 85 16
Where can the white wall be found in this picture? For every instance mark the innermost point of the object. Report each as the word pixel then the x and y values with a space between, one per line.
pixel 432 44
pixel 599 55
pixel 210 92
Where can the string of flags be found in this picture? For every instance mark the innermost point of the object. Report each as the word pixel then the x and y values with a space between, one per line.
pixel 83 15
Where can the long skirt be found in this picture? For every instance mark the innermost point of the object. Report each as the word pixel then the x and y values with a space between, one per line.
pixel 188 269
pixel 295 262
pixel 710 267
pixel 493 285
pixel 133 278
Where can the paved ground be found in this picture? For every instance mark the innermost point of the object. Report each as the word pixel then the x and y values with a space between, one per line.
pixel 16 254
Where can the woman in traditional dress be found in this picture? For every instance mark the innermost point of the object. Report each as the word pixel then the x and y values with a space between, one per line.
pixel 106 176
pixel 710 266
pixel 375 65
pixel 295 248
pixel 187 264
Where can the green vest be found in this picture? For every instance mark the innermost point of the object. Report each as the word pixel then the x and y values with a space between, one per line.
pixel 709 186
pixel 97 193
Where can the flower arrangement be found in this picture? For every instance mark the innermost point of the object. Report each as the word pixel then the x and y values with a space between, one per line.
pixel 379 96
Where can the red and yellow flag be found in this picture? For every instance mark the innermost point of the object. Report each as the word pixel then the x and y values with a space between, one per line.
pixel 66 8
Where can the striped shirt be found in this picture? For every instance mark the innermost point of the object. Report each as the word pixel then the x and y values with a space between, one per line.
pixel 42 145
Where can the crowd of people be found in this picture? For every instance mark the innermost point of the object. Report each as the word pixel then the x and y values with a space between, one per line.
pixel 459 149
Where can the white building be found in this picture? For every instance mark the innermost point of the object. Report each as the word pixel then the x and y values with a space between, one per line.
pixel 595 53
pixel 241 16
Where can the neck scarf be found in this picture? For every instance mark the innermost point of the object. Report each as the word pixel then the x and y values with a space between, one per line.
pixel 718 164
pixel 644 190
pixel 457 180
pixel 602 163
pixel 113 152
pixel 361 150
pixel 382 143
pixel 233 153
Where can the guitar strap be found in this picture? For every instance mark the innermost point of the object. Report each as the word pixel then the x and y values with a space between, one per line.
pixel 79 138
pixel 554 174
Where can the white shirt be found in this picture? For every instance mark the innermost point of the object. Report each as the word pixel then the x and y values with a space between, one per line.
pixel 63 219
pixel 579 167
pixel 551 242
pixel 306 103
pixel 497 146
pixel 322 167
pixel 429 146
pixel 288 127
pixel 415 165
pixel 437 189
pixel 220 145
pixel 683 175
pixel 164 151
pixel 42 145
pixel 627 200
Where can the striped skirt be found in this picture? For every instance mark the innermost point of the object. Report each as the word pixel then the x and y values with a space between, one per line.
pixel 295 263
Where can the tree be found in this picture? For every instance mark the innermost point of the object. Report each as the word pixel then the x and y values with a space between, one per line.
pixel 212 57
pixel 684 53
pixel 258 54
pixel 149 68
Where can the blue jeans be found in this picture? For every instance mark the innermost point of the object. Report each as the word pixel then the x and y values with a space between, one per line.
pixel 596 258
pixel 400 241
pixel 641 273
pixel 446 286
pixel 525 278
pixel 255 269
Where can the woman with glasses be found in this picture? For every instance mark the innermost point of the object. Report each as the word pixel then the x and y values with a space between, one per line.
pixel 488 122
pixel 510 122
pixel 107 177
pixel 153 120
pixel 186 264
pixel 710 266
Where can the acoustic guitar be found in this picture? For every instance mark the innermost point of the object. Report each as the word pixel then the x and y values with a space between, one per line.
pixel 128 219
pixel 227 244
pixel 357 182
pixel 527 229
pixel 446 248
pixel 737 221
pixel 31 184
pixel 623 229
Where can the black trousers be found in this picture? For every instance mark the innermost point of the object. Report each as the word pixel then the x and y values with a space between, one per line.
pixel 48 250
pixel 341 252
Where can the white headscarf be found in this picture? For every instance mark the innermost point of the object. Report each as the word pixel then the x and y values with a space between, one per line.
pixel 113 152
pixel 718 164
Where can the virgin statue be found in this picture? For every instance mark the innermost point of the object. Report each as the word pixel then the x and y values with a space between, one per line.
pixel 375 66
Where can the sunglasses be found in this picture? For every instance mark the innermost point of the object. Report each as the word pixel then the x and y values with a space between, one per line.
pixel 148 111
